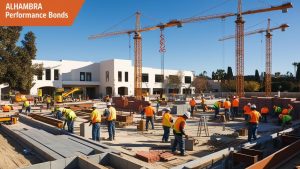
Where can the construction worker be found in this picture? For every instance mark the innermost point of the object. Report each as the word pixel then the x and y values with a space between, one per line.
pixel 178 130
pixel 203 104
pixel 167 121
pixel 149 112
pixel 6 108
pixel 157 104
pixel 227 106
pixel 111 115
pixel 48 101
pixel 264 113
pixel 285 119
pixel 277 110
pixel 216 106
pixel 247 111
pixel 26 106
pixel 253 123
pixel 70 117
pixel 192 104
pixel 235 107
pixel 95 121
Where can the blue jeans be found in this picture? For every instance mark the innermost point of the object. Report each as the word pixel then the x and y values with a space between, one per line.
pixel 27 109
pixel 252 131
pixel 180 142
pixel 70 124
pixel 96 132
pixel 166 133
pixel 216 112
pixel 111 129
pixel 227 113
pixel 59 115
pixel 192 110
pixel 235 111
pixel 149 118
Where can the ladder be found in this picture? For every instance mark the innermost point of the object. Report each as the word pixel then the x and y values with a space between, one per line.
pixel 202 126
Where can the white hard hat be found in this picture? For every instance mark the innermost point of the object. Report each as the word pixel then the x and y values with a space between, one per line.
pixel 167 109
pixel 234 97
pixel 253 106
pixel 187 114
pixel 249 104
pixel 94 105
pixel 193 97
pixel 108 104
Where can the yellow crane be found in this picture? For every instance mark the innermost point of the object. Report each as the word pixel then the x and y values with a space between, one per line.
pixel 268 78
pixel 178 23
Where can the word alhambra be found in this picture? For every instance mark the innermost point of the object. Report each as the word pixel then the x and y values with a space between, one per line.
pixel 24 6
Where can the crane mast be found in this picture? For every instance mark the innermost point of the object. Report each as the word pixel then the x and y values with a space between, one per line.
pixel 138 58
pixel 268 78
pixel 239 51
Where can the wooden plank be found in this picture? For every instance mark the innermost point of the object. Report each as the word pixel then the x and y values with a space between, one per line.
pixel 244 158
pixel 278 158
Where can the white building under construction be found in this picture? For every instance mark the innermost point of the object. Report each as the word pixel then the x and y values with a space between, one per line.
pixel 110 77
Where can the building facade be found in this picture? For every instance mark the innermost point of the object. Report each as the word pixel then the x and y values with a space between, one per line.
pixel 110 77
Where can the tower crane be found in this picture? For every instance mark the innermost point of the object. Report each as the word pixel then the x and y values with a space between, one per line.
pixel 268 77
pixel 178 23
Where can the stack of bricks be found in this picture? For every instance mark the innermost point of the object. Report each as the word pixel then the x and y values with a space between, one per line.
pixel 166 156
pixel 125 118
pixel 154 156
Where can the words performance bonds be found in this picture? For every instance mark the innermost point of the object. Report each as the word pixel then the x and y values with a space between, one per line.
pixel 13 11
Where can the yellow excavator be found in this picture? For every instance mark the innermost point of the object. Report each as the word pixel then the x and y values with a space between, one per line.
pixel 61 94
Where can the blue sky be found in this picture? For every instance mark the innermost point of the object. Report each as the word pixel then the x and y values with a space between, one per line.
pixel 193 47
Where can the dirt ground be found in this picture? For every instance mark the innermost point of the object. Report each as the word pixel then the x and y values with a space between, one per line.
pixel 12 156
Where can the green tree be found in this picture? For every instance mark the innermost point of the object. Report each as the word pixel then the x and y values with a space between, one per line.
pixel 220 74
pixel 252 86
pixel 16 61
pixel 257 77
pixel 229 75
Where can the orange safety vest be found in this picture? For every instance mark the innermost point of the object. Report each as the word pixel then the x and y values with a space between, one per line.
pixel 264 110
pixel 254 116
pixel 235 103
pixel 227 105
pixel 95 116
pixel 112 114
pixel 178 121
pixel 192 103
pixel 285 112
pixel 246 109
pixel 6 108
pixel 149 111
pixel 166 120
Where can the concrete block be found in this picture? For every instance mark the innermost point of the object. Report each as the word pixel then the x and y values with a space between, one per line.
pixel 85 130
pixel 189 144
